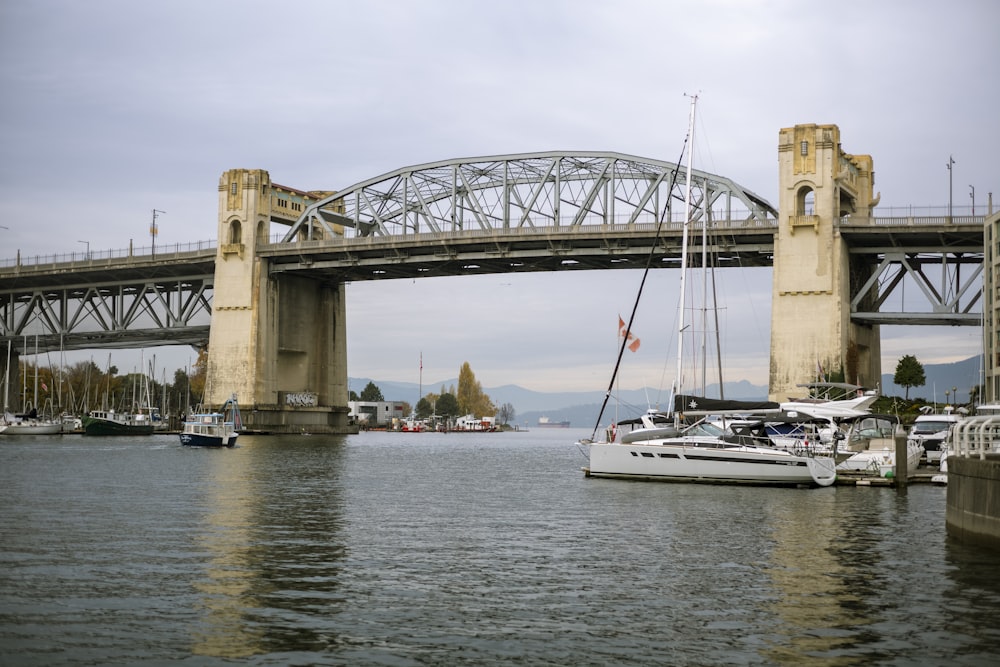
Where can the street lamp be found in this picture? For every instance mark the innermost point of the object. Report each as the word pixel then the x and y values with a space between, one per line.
pixel 88 248
pixel 973 195
pixel 154 230
pixel 951 161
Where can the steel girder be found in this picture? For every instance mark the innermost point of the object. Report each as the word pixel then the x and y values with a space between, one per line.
pixel 951 300
pixel 124 314
pixel 502 192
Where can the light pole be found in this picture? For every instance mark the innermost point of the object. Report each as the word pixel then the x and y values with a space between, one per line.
pixel 973 195
pixel 88 248
pixel 951 161
pixel 154 230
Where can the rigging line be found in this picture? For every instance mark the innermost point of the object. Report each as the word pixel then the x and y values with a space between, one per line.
pixel 642 283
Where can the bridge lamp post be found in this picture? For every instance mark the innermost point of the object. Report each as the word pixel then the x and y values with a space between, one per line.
pixel 973 195
pixel 951 161
pixel 154 230
pixel 88 248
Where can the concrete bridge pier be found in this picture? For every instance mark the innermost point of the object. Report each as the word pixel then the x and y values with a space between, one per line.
pixel 812 335
pixel 278 342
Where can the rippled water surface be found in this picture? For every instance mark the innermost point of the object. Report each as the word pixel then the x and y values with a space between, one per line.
pixel 427 549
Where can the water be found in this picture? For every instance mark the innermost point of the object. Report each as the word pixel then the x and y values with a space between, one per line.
pixel 463 549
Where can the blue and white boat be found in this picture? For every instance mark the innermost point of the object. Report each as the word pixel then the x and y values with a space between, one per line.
pixel 213 429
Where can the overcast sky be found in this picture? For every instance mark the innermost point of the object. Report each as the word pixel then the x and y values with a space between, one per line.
pixel 111 109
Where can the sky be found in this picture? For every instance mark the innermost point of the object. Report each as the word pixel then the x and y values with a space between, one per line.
pixel 114 108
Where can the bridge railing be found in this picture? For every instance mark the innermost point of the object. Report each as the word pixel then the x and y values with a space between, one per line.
pixel 914 221
pixel 85 257
pixel 524 231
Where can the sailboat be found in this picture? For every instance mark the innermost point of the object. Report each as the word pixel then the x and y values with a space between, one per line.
pixel 28 422
pixel 666 447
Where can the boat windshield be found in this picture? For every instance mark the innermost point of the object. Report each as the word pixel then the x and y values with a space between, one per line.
pixel 706 429
pixel 931 427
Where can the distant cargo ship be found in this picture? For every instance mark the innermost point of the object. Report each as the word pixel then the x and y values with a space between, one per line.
pixel 548 423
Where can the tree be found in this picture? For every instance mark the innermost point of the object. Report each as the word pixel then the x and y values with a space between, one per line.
pixel 425 407
pixel 505 413
pixel 909 373
pixel 371 393
pixel 447 405
pixel 198 375
pixel 471 399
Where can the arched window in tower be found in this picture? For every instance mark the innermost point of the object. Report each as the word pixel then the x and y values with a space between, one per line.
pixel 806 201
pixel 235 232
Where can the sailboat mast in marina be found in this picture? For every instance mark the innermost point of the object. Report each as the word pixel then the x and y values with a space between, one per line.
pixel 679 381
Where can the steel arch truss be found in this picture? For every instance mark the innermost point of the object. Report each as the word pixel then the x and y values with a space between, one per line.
pixel 110 315
pixel 939 277
pixel 551 189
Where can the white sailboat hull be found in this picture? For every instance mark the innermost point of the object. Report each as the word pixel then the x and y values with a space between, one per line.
pixel 32 428
pixel 681 461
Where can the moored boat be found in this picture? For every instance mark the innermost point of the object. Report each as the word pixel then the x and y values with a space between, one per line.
pixel 109 422
pixel 703 452
pixel 871 445
pixel 931 430
pixel 31 427
pixel 669 448
pixel 213 429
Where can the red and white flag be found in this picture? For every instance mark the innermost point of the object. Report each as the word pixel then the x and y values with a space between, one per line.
pixel 633 341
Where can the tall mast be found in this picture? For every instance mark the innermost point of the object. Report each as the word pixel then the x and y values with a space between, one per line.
pixel 6 381
pixel 684 250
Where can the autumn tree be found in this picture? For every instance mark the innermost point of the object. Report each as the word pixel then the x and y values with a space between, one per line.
pixel 909 373
pixel 471 399
pixel 198 376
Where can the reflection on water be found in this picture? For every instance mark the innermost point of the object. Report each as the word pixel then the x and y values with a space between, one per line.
pixel 463 550
pixel 225 535
pixel 815 604
pixel 273 538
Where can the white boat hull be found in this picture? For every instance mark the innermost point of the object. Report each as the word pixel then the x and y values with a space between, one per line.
pixel 682 462
pixel 33 428
pixel 882 461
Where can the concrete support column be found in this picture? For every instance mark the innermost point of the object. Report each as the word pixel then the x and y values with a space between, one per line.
pixel 279 342
pixel 812 336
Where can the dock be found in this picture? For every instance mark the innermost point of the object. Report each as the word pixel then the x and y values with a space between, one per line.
pixel 922 475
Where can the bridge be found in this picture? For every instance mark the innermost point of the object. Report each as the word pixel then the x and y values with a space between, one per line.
pixel 272 287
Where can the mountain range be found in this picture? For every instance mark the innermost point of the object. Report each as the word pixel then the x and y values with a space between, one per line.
pixel 581 408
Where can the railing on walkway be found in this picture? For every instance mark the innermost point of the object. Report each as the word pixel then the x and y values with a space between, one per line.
pixel 89 257
pixel 975 436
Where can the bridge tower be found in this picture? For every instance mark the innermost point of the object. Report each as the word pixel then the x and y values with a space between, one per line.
pixel 812 335
pixel 278 341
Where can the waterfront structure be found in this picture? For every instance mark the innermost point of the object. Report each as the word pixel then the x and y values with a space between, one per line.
pixel 972 513
pixel 991 307
pixel 375 413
